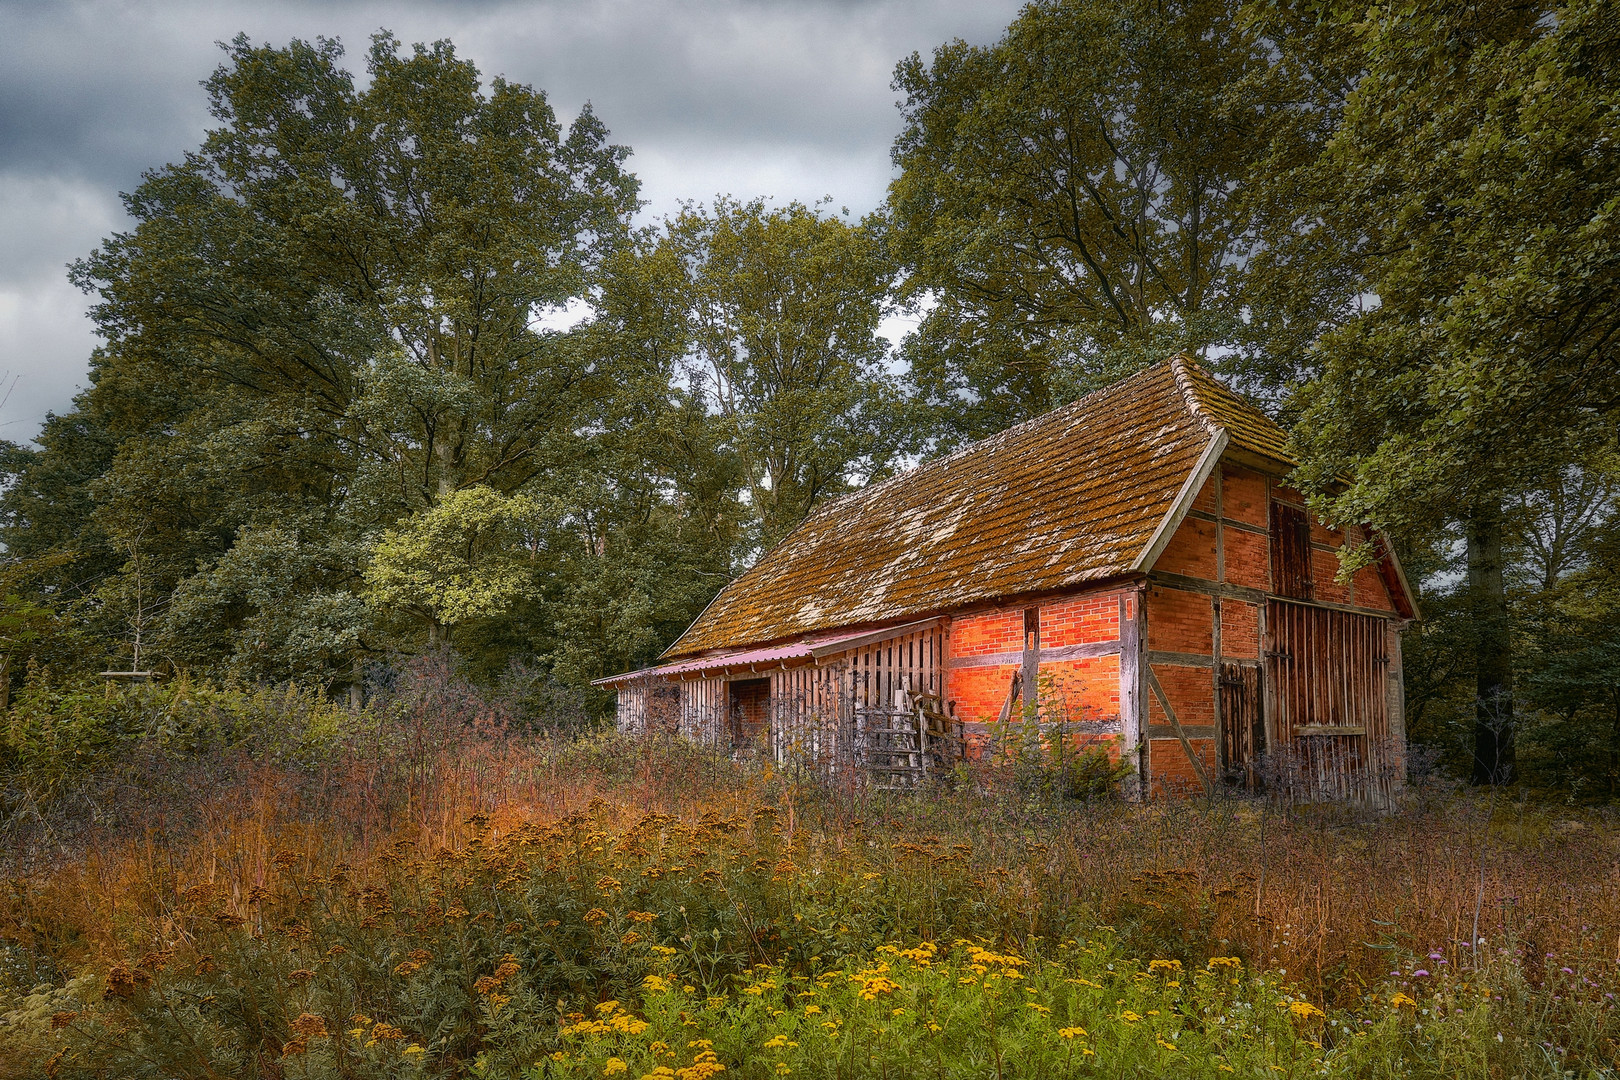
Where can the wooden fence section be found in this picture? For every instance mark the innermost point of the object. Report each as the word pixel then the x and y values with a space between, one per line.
pixel 882 672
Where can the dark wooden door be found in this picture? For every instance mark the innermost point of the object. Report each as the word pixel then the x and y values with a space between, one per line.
pixel 1243 726
pixel 1290 551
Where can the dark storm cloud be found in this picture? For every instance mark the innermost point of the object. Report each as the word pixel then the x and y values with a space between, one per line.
pixel 784 99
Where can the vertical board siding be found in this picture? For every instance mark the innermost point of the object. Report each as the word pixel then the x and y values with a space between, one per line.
pixel 1327 684
pixel 1290 551
pixel 631 715
pixel 1243 735
pixel 820 714
pixel 703 710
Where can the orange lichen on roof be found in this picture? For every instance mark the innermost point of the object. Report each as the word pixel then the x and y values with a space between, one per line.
pixel 1069 497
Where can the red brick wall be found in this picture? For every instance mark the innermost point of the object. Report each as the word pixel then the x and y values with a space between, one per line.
pixel 1092 616
pixel 1244 495
pixel 1206 497
pixel 991 632
pixel 1371 592
pixel 1191 693
pixel 1172 773
pixel 1180 621
pixel 1248 558
pixel 1240 630
pixel 1191 551
pixel 979 692
pixel 1085 688
pixel 1324 573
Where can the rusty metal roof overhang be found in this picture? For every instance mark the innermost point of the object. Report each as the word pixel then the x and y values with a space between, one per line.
pixel 765 658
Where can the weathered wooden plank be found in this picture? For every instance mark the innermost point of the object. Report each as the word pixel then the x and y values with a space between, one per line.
pixel 1031 661
pixel 1180 659
pixel 1132 704
pixel 1062 653
pixel 1191 731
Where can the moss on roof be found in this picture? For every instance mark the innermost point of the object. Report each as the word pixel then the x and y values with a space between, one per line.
pixel 1069 497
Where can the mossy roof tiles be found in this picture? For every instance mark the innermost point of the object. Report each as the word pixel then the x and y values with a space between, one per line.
pixel 1069 497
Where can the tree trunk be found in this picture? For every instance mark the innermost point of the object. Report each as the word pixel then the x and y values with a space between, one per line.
pixel 1493 664
pixel 357 685
pixel 1614 748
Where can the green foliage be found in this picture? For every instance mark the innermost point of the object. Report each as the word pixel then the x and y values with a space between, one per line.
pixel 59 737
pixel 455 562
pixel 1474 178
pixel 782 309
pixel 1067 197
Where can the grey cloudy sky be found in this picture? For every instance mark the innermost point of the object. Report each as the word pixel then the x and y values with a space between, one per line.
pixel 788 99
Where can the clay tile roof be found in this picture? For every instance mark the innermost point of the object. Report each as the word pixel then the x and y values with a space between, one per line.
pixel 1245 425
pixel 1072 496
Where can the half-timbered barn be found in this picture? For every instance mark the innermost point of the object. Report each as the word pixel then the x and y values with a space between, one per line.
pixel 1130 570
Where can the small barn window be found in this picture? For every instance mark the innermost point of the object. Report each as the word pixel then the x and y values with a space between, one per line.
pixel 1290 551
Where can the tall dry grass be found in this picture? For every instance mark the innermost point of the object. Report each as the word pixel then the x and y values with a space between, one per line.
pixel 1336 898
pixel 1336 901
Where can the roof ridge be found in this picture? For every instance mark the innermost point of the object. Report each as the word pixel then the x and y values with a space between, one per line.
pixel 1187 370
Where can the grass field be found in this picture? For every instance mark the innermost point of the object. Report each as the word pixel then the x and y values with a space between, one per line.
pixel 600 906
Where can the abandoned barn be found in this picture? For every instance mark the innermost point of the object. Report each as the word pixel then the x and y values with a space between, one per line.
pixel 1129 570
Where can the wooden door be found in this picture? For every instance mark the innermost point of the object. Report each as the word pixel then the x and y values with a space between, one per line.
pixel 1243 725
pixel 1327 698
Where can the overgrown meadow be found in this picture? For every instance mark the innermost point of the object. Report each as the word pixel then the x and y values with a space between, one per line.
pixel 209 881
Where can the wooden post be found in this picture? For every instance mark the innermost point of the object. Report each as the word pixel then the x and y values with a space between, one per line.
pixel 1032 663
pixel 1132 710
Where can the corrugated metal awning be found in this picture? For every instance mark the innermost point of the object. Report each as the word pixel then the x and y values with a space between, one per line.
pixel 813 648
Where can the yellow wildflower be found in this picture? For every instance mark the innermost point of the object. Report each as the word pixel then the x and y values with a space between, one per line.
pixel 614 1066
pixel 1303 1011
